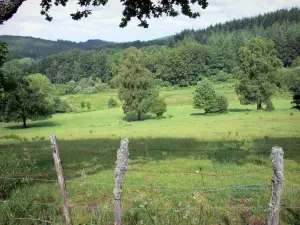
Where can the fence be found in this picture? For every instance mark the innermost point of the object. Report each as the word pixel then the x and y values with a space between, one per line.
pixel 272 210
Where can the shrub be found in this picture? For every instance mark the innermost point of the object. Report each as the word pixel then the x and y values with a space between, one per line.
pixel 206 98
pixel 88 105
pixel 112 103
pixel 62 106
pixel 12 165
pixel 82 104
pixel 101 86
pixel 89 90
pixel 77 89
pixel 270 106
pixel 222 77
pixel 159 107
pixel 296 96
pixel 217 105
pixel 296 62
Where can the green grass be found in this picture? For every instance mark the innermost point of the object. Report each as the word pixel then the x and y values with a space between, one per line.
pixel 233 149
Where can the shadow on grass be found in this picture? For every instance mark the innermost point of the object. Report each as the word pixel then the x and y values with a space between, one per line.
pixel 132 117
pixel 101 153
pixel 32 124
pixel 239 110
pixel 198 114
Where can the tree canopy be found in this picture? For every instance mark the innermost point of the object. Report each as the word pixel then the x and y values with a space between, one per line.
pixel 141 9
pixel 26 97
pixel 257 62
pixel 136 88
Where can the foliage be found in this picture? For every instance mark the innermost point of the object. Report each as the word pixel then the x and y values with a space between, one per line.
pixel 12 165
pixel 257 62
pixel 82 104
pixel 133 8
pixel 3 55
pixel 136 91
pixel 183 65
pixel 88 105
pixel 286 79
pixel 28 98
pixel 222 76
pixel 62 106
pixel 112 103
pixel 296 62
pixel 296 96
pixel 159 107
pixel 270 106
pixel 206 98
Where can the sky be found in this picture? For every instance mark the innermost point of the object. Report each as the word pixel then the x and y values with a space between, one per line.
pixel 104 22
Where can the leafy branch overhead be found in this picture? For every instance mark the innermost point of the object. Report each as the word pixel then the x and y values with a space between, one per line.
pixel 141 9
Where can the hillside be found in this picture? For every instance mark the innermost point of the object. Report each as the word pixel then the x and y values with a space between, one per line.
pixel 20 47
pixel 282 26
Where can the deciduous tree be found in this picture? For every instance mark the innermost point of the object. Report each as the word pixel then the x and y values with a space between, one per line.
pixel 141 9
pixel 257 61
pixel 28 98
pixel 207 99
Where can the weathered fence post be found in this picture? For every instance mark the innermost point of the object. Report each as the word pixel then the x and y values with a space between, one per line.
pixel 277 185
pixel 120 171
pixel 61 180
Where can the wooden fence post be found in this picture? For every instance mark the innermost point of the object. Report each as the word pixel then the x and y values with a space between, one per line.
pixel 61 180
pixel 277 186
pixel 120 171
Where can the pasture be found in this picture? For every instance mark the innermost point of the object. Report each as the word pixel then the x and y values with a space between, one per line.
pixel 164 183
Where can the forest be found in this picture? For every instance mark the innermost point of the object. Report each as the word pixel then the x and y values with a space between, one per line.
pixel 212 50
pixel 202 110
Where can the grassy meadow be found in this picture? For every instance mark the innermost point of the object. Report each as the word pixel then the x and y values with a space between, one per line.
pixel 164 183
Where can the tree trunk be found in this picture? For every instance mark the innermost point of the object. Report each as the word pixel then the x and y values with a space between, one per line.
pixel 8 8
pixel 259 106
pixel 24 122
pixel 139 116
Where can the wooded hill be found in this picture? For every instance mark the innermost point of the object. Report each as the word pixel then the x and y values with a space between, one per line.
pixel 179 60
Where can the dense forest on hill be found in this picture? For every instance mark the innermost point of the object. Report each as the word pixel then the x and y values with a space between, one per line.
pixel 20 47
pixel 179 60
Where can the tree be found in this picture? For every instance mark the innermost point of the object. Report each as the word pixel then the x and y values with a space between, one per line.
pixel 112 103
pixel 159 107
pixel 207 99
pixel 142 9
pixel 257 62
pixel 184 65
pixel 296 96
pixel 3 55
pixel 296 62
pixel 136 87
pixel 30 98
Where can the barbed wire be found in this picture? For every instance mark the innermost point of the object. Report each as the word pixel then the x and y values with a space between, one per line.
pixel 86 181
pixel 83 205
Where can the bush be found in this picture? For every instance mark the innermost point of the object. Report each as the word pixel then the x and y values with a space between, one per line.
pixel 159 107
pixel 101 86
pixel 88 105
pixel 296 96
pixel 89 90
pixel 217 105
pixel 62 106
pixel 82 104
pixel 270 106
pixel 296 62
pixel 112 103
pixel 206 98
pixel 221 77
pixel 77 89
pixel 13 165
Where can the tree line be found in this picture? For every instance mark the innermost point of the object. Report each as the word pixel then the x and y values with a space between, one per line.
pixel 258 75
